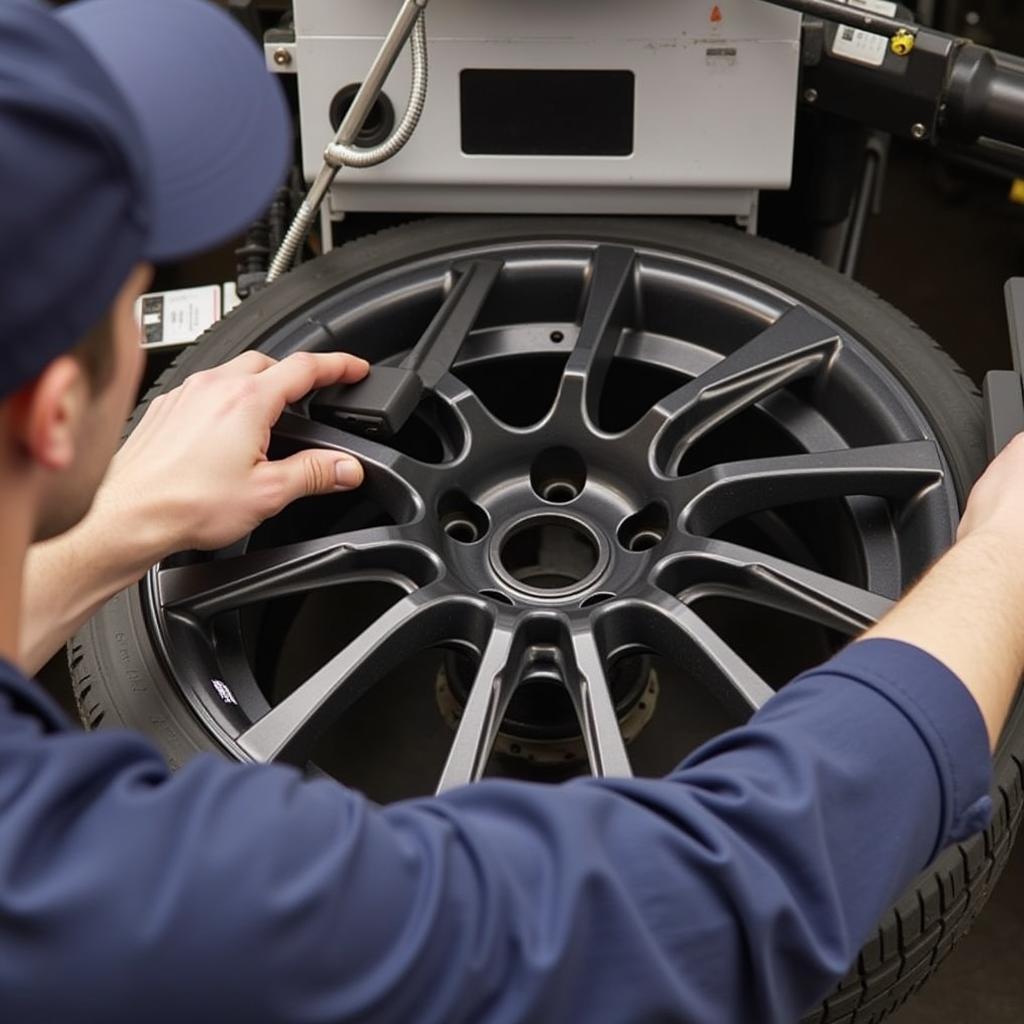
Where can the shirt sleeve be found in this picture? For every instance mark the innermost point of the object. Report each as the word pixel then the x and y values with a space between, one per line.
pixel 738 889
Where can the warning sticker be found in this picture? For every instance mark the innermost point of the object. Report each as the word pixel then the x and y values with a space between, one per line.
pixel 864 47
pixel 180 317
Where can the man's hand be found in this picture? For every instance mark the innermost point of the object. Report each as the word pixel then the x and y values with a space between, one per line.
pixel 996 505
pixel 193 474
pixel 968 611
pixel 197 464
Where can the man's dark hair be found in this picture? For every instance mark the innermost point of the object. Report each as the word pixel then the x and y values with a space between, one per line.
pixel 96 353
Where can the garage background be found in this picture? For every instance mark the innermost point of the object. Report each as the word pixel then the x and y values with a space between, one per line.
pixel 946 239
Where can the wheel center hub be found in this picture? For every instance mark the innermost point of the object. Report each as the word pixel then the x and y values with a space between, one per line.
pixel 549 555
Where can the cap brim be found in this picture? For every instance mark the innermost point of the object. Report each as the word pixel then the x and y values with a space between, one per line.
pixel 213 118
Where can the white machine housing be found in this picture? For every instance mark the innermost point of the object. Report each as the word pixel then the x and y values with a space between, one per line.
pixel 713 109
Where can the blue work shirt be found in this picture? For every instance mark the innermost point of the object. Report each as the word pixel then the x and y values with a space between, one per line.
pixel 739 889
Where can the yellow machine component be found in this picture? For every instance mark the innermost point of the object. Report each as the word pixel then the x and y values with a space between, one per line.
pixel 902 43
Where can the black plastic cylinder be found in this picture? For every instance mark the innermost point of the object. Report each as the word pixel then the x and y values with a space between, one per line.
pixel 985 97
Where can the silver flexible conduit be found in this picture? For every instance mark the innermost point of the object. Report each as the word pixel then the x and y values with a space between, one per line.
pixel 348 156
pixel 338 155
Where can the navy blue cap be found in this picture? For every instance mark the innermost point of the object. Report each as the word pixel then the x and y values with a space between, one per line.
pixel 130 131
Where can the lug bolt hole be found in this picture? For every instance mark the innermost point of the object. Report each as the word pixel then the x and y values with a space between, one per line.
pixel 462 530
pixel 462 520
pixel 560 493
pixel 646 529
pixel 558 475
pixel 645 540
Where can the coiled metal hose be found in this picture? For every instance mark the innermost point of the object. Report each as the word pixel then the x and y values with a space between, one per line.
pixel 348 156
pixel 337 155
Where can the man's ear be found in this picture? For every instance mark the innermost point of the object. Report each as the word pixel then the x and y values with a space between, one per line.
pixel 46 414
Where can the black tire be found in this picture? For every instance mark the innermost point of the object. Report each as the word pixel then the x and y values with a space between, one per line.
pixel 119 681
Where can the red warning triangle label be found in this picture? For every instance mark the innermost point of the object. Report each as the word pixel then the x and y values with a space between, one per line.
pixel 716 13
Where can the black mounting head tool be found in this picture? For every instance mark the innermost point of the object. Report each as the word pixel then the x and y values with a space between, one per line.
pixel 1004 389
pixel 381 405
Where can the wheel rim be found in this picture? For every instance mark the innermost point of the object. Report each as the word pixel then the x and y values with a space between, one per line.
pixel 695 436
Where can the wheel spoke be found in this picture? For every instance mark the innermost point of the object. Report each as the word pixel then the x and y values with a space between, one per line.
pixel 423 619
pixel 610 300
pixel 445 337
pixel 797 345
pixel 591 695
pixel 663 624
pixel 489 697
pixel 511 650
pixel 716 664
pixel 726 492
pixel 207 589
pixel 392 478
pixel 480 427
pixel 456 318
pixel 715 567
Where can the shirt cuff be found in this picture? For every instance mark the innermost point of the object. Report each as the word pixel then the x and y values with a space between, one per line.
pixel 945 715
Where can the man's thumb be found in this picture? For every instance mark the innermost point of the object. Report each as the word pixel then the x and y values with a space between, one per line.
pixel 318 472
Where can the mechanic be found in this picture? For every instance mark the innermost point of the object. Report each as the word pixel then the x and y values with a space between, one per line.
pixel 740 888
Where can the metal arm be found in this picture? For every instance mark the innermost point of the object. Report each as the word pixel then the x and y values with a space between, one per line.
pixel 369 92
pixel 926 85
pixel 834 10
pixel 339 152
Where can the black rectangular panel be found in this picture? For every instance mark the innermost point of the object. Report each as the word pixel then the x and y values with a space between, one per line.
pixel 547 113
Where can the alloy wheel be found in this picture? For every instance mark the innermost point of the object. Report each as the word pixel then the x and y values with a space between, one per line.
pixel 638 455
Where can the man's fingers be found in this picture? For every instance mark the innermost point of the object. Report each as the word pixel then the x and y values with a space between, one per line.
pixel 250 362
pixel 311 473
pixel 293 378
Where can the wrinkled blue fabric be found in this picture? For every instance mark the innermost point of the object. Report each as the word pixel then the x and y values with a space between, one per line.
pixel 737 890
